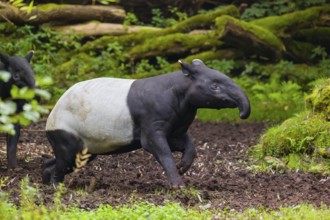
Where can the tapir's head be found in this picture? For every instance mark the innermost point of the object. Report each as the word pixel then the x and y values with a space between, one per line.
pixel 20 69
pixel 211 89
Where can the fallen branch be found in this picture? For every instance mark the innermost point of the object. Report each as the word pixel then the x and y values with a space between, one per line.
pixel 61 14
pixel 96 28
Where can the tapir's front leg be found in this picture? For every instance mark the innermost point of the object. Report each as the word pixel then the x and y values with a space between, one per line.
pixel 185 145
pixel 156 143
pixel 12 141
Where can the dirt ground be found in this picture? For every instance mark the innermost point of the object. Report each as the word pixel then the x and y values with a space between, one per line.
pixel 219 178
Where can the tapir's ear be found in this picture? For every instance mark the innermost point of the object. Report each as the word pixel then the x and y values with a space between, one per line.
pixel 4 58
pixel 29 55
pixel 185 67
pixel 198 62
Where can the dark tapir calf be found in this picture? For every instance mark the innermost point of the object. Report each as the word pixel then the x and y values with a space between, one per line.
pixel 108 116
pixel 21 75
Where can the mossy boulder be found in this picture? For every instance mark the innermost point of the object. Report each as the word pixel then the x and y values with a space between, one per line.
pixel 301 142
pixel 301 134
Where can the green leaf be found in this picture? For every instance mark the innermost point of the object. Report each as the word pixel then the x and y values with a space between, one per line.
pixel 8 128
pixel 44 81
pixel 31 115
pixel 4 75
pixel 7 107
pixel 43 94
pixel 22 93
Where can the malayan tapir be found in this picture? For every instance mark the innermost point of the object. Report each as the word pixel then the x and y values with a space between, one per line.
pixel 110 115
pixel 21 75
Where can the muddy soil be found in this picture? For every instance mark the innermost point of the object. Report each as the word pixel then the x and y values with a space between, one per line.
pixel 219 178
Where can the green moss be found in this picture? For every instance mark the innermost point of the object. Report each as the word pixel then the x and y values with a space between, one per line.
pixel 291 21
pixel 319 100
pixel 76 69
pixel 198 21
pixel 215 55
pixel 174 43
pixel 49 7
pixel 257 31
pixel 315 35
pixel 303 74
pixel 295 161
pixel 300 51
pixel 295 135
pixel 301 142
pixel 127 41
pixel 202 21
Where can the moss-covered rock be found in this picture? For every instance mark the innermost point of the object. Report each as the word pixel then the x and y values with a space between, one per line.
pixel 300 134
pixel 301 142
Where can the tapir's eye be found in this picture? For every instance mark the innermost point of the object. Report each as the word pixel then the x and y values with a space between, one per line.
pixel 215 86
pixel 16 76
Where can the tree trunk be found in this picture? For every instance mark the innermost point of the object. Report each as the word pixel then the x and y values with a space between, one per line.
pixel 61 14
pixel 251 39
pixel 97 29
pixel 174 46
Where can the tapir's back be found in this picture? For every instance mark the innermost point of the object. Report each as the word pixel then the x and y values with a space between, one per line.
pixel 97 111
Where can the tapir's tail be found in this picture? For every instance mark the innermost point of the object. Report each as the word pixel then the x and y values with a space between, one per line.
pixel 82 159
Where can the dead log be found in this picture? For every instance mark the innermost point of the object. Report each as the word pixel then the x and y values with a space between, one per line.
pixel 200 21
pixel 252 39
pixel 283 25
pixel 97 28
pixel 315 35
pixel 61 14
pixel 175 45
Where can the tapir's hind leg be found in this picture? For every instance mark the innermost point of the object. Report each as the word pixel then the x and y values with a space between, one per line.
pixel 65 146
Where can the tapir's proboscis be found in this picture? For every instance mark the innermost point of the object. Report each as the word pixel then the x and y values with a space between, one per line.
pixel 20 74
pixel 110 115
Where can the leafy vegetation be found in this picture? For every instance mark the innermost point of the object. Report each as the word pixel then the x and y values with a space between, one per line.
pixel 271 8
pixel 32 110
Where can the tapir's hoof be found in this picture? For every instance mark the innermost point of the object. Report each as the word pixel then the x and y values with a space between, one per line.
pixel 16 169
pixel 178 186
pixel 46 176
pixel 12 165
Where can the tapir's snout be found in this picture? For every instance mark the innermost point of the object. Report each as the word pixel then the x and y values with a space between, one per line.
pixel 243 105
pixel 245 113
pixel 241 100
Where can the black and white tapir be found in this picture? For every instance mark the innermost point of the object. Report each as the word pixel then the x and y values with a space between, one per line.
pixel 110 115
pixel 22 76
